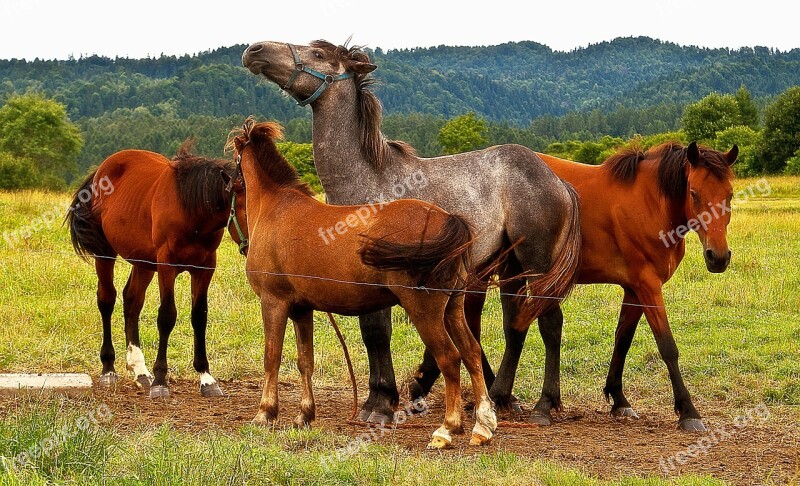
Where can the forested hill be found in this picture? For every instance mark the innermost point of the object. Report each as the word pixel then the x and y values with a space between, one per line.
pixel 514 82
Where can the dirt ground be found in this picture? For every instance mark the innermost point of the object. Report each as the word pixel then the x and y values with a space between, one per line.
pixel 584 436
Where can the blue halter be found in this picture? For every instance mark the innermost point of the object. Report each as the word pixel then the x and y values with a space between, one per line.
pixel 299 67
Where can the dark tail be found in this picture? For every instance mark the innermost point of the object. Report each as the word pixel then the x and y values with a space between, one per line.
pixel 550 288
pixel 434 261
pixel 85 231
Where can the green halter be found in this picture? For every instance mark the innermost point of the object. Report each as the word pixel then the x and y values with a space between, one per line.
pixel 243 241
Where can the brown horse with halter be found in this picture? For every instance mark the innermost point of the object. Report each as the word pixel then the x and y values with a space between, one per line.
pixel 636 209
pixel 408 252
pixel 164 216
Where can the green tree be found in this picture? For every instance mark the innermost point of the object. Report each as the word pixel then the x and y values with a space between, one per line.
pixel 36 128
pixel 749 141
pixel 793 165
pixel 716 112
pixel 781 130
pixel 463 133
pixel 748 111
pixel 16 173
pixel 301 156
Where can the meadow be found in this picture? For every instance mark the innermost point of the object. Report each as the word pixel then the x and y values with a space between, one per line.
pixel 738 334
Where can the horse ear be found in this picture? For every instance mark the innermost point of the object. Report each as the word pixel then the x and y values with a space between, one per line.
pixel 732 155
pixel 226 179
pixel 693 153
pixel 359 67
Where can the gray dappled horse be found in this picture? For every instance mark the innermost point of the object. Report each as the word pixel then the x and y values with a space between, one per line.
pixel 508 196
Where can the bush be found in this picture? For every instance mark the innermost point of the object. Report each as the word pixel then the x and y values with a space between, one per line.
pixel 749 141
pixel 793 165
pixel 17 173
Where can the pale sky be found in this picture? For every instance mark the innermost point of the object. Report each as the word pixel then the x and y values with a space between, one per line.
pixel 51 29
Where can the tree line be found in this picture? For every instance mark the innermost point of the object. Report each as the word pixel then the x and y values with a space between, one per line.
pixel 513 82
pixel 41 147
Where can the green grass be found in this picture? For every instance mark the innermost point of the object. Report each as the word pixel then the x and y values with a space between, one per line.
pixel 738 335
pixel 162 455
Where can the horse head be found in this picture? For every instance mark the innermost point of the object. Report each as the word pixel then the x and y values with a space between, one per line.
pixel 708 201
pixel 305 72
pixel 237 221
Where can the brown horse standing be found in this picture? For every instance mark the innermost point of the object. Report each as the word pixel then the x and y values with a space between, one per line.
pixel 636 209
pixel 161 216
pixel 379 258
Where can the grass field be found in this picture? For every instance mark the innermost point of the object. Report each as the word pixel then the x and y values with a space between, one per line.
pixel 738 335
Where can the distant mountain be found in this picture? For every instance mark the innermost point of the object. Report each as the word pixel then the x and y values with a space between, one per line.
pixel 514 82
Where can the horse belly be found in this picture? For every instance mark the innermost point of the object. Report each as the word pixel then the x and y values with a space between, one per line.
pixel 348 299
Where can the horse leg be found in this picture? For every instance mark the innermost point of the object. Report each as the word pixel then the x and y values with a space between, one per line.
pixel 473 308
pixel 132 302
pixel 629 316
pixel 167 314
pixel 470 349
pixel 428 317
pixel 201 279
pixel 106 298
pixel 500 391
pixel 428 372
pixel 550 326
pixel 274 315
pixel 376 332
pixel 650 295
pixel 304 333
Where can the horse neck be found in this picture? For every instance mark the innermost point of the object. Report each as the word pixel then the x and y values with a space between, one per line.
pixel 345 173
pixel 262 192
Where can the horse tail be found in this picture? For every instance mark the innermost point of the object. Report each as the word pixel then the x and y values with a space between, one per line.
pixel 549 289
pixel 434 261
pixel 85 229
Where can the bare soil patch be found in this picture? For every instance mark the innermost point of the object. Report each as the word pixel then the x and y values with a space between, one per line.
pixel 583 437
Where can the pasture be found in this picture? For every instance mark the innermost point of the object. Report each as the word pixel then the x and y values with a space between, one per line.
pixel 738 334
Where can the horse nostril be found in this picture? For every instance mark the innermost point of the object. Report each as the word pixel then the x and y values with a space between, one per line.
pixel 709 255
pixel 255 48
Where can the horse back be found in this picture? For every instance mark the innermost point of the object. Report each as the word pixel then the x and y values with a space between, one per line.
pixel 620 223
pixel 125 209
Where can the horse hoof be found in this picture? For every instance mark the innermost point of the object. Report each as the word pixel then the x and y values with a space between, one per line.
pixel 509 404
pixel 541 418
pixel 109 380
pixel 478 440
pixel 439 443
pixel 159 391
pixel 212 390
pixel 379 418
pixel 301 422
pixel 262 420
pixel 363 415
pixel 415 390
pixel 625 412
pixel 144 381
pixel 692 425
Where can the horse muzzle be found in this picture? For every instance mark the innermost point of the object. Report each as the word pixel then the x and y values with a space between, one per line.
pixel 716 262
pixel 254 58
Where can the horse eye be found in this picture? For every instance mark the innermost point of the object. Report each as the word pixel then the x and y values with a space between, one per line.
pixel 695 197
pixel 318 54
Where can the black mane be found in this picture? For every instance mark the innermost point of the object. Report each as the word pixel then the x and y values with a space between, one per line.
pixel 201 189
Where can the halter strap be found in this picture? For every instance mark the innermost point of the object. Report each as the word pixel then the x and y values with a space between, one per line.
pixel 299 67
pixel 243 241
